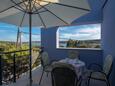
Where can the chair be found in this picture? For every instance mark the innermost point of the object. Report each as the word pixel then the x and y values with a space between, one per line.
pixel 63 74
pixel 45 64
pixel 73 54
pixel 105 72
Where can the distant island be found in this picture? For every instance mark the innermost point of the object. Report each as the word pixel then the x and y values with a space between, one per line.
pixel 80 43
pixel 72 43
pixel 34 43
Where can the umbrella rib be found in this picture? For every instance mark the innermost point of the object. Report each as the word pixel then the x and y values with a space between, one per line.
pixel 40 12
pixel 25 5
pixel 22 19
pixel 19 28
pixel 68 6
pixel 20 9
pixel 40 18
pixel 17 5
pixel 11 7
pixel 104 3
pixel 33 4
pixel 54 14
pixel 34 12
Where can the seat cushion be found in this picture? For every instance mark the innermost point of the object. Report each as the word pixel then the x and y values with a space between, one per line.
pixel 48 68
pixel 98 75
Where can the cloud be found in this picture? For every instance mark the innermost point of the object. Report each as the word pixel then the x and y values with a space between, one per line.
pixel 36 37
pixel 9 38
pixel 8 32
pixel 85 32
pixel 7 35
pixel 3 31
pixel 25 37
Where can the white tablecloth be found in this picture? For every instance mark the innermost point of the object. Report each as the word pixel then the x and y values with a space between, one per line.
pixel 79 65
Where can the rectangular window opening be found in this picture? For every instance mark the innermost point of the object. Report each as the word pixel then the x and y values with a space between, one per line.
pixel 82 36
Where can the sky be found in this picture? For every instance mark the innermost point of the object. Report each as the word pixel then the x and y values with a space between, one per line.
pixel 8 32
pixel 82 32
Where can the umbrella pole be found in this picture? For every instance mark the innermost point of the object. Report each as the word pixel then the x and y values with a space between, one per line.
pixel 30 47
pixel 30 43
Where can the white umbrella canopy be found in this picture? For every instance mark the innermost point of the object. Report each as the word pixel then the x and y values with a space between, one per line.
pixel 42 13
pixel 45 13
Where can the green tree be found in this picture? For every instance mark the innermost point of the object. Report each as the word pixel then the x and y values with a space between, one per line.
pixel 72 43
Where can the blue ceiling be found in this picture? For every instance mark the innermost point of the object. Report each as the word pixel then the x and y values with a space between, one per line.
pixel 95 15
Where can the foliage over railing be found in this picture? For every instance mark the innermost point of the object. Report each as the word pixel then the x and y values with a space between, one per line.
pixel 14 63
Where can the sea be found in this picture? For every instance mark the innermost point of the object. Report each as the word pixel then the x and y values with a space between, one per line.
pixel 38 44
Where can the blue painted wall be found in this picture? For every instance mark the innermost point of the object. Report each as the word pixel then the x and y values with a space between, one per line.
pixel 108 37
pixel 108 33
pixel 95 15
pixel 48 37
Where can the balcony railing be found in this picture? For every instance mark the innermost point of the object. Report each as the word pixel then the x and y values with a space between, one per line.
pixel 14 66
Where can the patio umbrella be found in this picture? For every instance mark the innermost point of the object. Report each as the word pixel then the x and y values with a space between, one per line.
pixel 42 13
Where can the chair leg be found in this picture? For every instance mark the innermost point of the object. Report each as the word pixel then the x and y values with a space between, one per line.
pixel 88 82
pixel 52 79
pixel 79 83
pixel 47 74
pixel 41 77
pixel 107 82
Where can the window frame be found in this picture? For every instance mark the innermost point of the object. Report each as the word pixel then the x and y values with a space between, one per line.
pixel 57 40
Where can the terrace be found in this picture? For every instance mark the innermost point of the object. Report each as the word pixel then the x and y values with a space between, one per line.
pixel 102 13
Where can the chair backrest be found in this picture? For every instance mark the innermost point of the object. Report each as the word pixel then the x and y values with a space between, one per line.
pixel 63 75
pixel 73 54
pixel 107 67
pixel 61 64
pixel 44 59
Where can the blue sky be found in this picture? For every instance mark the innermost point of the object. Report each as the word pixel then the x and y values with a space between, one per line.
pixel 83 32
pixel 9 33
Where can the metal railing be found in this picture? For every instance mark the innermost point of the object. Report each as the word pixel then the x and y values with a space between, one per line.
pixel 12 68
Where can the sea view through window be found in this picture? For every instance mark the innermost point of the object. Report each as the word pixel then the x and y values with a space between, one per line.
pixel 81 36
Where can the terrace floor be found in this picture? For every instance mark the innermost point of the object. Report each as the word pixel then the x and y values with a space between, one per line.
pixel 46 81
